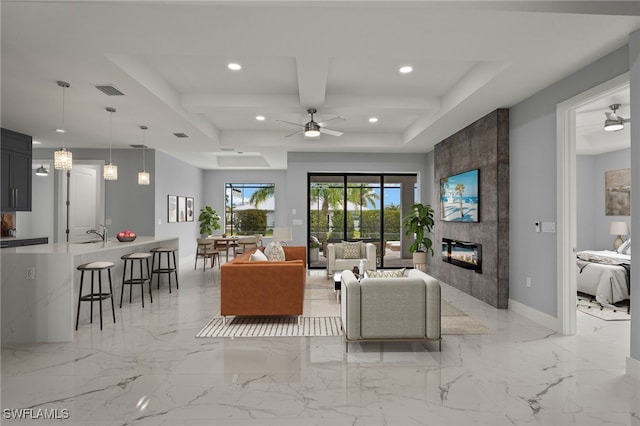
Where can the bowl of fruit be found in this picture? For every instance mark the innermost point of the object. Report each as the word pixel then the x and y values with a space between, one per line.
pixel 126 236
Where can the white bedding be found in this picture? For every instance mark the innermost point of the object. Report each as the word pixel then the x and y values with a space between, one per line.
pixel 602 276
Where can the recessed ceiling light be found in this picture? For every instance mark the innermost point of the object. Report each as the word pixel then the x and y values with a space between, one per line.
pixel 35 142
pixel 260 117
pixel 406 69
pixel 234 67
pixel 373 120
pixel 60 130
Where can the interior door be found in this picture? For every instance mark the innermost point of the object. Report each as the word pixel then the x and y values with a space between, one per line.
pixel 86 201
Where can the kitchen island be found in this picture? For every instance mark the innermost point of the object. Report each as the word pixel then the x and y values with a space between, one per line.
pixel 40 285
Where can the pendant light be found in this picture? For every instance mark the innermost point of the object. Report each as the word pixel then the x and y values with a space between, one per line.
pixel 143 176
pixel 62 159
pixel 110 170
pixel 42 171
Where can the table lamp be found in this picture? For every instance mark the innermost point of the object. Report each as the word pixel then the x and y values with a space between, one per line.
pixel 282 234
pixel 619 229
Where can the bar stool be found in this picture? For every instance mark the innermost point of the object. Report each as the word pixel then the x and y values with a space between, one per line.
pixel 130 259
pixel 94 267
pixel 159 251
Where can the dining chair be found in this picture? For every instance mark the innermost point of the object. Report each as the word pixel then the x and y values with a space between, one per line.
pixel 206 250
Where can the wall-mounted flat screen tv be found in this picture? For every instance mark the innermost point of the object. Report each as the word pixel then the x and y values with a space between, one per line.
pixel 459 200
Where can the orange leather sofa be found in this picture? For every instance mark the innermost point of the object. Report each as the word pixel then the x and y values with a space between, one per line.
pixel 264 288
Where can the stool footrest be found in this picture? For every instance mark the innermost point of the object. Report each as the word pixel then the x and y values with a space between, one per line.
pixel 95 296
pixel 135 281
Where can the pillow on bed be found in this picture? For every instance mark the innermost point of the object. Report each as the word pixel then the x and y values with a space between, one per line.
pixel 624 247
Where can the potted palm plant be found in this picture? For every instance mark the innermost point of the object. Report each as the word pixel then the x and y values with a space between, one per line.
pixel 419 222
pixel 209 221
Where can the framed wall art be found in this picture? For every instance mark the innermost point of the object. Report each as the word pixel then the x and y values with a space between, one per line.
pixel 182 209
pixel 172 209
pixel 617 187
pixel 190 212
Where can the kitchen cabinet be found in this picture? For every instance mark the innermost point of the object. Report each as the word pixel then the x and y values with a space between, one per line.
pixel 6 243
pixel 15 190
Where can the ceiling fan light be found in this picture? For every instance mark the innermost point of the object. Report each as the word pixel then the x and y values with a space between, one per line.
pixel 613 125
pixel 312 129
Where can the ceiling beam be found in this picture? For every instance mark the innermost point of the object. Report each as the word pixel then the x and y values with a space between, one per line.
pixel 312 80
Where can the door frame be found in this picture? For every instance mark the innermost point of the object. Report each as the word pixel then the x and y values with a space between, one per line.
pixel 566 238
pixel 61 184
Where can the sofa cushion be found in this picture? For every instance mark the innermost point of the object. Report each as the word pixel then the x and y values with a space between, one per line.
pixel 351 250
pixel 387 273
pixel 274 252
pixel 258 256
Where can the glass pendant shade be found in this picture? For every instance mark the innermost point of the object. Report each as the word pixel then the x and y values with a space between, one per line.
pixel 143 178
pixel 110 172
pixel 62 159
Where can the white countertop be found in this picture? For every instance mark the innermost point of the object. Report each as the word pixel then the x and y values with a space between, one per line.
pixel 82 248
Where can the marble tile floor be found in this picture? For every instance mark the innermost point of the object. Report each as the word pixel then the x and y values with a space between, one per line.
pixel 148 369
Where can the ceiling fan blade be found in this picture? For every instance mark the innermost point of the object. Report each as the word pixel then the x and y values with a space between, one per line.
pixel 294 133
pixel 331 132
pixel 290 122
pixel 331 119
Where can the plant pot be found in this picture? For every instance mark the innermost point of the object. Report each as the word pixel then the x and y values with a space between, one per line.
pixel 420 260
pixel 314 254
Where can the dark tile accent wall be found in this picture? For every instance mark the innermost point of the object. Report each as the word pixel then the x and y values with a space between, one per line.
pixel 483 145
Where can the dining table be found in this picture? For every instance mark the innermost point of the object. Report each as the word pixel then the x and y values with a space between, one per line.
pixel 225 242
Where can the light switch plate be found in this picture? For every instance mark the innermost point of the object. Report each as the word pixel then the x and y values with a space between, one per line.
pixel 548 227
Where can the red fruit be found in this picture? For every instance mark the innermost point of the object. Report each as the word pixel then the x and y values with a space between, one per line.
pixel 120 234
pixel 132 234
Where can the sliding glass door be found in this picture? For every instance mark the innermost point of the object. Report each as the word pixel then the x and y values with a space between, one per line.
pixel 359 207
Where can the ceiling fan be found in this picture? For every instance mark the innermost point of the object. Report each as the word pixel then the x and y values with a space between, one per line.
pixel 312 129
pixel 614 122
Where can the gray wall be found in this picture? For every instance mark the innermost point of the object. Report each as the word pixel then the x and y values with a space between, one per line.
pixel 593 224
pixel 300 164
pixel 127 204
pixel 633 364
pixel 175 177
pixel 534 181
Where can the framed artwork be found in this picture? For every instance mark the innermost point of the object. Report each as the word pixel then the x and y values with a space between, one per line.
pixel 172 209
pixel 459 201
pixel 182 209
pixel 190 212
pixel 617 187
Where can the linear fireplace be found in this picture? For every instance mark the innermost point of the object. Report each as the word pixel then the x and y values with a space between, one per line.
pixel 463 254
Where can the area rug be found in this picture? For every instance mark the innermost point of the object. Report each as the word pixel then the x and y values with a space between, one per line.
pixel 454 321
pixel 605 313
pixel 272 327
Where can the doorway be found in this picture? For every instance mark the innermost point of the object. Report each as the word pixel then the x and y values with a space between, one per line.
pixel 567 197
pixel 360 206
pixel 83 188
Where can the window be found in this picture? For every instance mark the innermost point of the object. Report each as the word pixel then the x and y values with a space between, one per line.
pixel 249 208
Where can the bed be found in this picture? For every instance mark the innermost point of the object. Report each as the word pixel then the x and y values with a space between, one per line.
pixel 604 275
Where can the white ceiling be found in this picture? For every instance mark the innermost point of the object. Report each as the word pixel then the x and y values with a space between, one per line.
pixel 170 59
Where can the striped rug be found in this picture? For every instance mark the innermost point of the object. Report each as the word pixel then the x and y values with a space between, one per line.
pixel 272 327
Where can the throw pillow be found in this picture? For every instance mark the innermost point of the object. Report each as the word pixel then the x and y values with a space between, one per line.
pixel 274 252
pixel 258 256
pixel 386 273
pixel 623 247
pixel 351 250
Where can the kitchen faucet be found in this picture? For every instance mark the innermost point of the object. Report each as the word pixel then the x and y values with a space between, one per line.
pixel 103 236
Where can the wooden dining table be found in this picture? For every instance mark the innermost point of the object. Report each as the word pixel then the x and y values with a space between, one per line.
pixel 226 242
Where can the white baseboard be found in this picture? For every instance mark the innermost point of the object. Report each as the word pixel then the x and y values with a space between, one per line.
pixel 633 368
pixel 535 315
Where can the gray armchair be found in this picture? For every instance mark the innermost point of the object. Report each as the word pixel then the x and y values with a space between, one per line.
pixel 337 262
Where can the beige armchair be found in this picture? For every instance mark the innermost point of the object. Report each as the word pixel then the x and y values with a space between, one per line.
pixel 336 260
